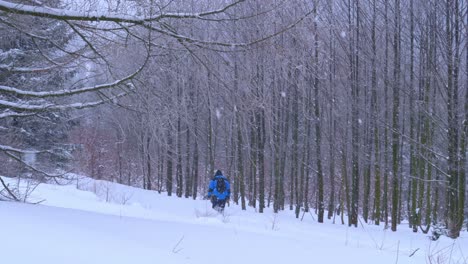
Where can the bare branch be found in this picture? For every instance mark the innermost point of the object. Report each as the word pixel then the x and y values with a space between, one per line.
pixel 29 69
pixel 61 93
pixel 14 114
pixel 57 107
pixel 63 14
pixel 33 168
pixel 17 150
pixel 5 186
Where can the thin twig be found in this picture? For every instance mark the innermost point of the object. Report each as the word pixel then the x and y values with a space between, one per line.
pixel 5 186
pixel 413 252
pixel 174 249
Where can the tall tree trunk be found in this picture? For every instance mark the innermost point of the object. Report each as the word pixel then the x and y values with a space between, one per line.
pixel 211 147
pixel 148 163
pixel 295 138
pixel 277 149
pixel 307 168
pixel 188 178
pixel 253 163
pixel 284 149
pixel 413 177
pixel 345 181
pixel 169 177
pixel 395 118
pixel 195 176
pixel 160 169
pixel 179 176
pixel 332 124
pixel 386 141
pixel 375 111
pixel 454 225
pixel 463 149
pixel 195 171
pixel 318 135
pixel 261 159
pixel 240 165
pixel 354 55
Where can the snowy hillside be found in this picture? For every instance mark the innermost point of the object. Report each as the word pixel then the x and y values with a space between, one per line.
pixel 92 221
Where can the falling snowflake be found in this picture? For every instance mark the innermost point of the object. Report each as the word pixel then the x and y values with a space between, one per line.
pixel 218 113
pixel 283 94
pixel 343 34
pixel 29 158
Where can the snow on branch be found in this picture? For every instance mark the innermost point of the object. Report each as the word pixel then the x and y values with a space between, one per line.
pixel 14 114
pixel 61 93
pixel 56 107
pixel 8 68
pixel 17 150
pixel 63 14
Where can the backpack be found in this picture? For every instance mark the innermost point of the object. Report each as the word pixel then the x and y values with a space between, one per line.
pixel 220 185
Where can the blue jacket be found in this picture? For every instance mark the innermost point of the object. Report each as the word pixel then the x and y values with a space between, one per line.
pixel 213 191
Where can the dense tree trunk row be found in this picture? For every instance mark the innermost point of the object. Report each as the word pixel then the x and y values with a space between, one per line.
pixel 275 117
pixel 360 109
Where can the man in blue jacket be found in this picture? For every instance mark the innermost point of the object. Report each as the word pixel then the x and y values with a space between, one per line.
pixel 219 191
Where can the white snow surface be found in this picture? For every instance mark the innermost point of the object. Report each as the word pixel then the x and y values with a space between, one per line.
pixel 89 221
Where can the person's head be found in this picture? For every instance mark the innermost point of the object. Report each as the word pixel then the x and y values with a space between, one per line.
pixel 218 172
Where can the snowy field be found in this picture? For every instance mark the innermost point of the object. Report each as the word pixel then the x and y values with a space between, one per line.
pixel 99 222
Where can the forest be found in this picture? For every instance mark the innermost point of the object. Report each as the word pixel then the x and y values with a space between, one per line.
pixel 352 109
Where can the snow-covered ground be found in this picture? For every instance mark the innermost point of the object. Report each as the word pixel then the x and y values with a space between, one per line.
pixel 91 221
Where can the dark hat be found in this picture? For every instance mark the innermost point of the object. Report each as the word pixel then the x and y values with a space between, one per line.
pixel 218 172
